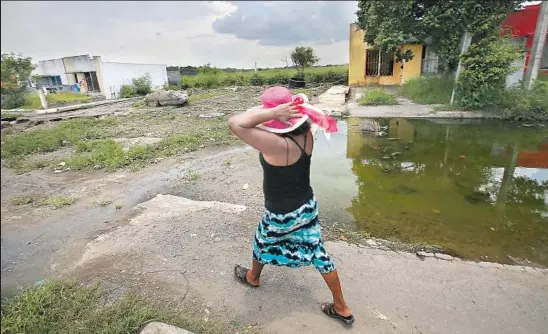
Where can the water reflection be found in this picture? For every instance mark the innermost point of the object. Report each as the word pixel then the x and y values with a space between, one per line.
pixel 478 190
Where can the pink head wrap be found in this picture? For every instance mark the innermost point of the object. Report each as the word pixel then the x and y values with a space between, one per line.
pixel 277 95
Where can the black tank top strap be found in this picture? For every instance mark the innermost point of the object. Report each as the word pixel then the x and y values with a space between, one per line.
pixel 299 146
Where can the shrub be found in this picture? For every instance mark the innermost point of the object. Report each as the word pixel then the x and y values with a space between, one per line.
pixel 521 104
pixel 257 80
pixel 127 91
pixel 377 97
pixel 142 85
pixel 429 89
pixel 487 63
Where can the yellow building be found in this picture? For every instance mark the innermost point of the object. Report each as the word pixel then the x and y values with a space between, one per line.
pixel 368 66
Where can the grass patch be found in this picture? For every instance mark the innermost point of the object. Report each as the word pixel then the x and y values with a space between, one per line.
pixel 94 147
pixel 377 97
pixel 68 307
pixel 104 203
pixel 33 101
pixel 429 89
pixel 22 200
pixel 202 96
pixel 139 104
pixel 56 202
pixel 110 155
pixel 191 175
pixel 48 140
pixel 118 206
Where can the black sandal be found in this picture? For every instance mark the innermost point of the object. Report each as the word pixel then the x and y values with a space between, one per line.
pixel 329 310
pixel 241 274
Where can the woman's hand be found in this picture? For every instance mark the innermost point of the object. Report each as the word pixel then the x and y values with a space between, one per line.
pixel 284 112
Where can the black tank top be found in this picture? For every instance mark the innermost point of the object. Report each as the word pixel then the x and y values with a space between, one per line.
pixel 286 188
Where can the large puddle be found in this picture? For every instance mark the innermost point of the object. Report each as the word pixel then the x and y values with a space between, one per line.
pixel 477 189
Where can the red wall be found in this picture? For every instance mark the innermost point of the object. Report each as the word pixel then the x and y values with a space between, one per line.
pixel 523 24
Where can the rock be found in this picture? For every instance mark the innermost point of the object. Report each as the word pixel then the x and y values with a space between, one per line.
pixel 424 254
pixel 245 186
pixel 371 242
pixel 444 257
pixel 62 163
pixel 162 328
pixel 166 98
pixel 5 124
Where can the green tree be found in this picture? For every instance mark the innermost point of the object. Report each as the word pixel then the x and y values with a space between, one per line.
pixel 439 23
pixel 303 57
pixel 16 71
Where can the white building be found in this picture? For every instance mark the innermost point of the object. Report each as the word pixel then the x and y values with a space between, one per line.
pixel 94 75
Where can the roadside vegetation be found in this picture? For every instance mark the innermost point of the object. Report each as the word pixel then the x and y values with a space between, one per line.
pixel 69 307
pixel 33 102
pixel 429 89
pixel 139 87
pixel 377 97
pixel 93 143
pixel 210 77
pixel 55 202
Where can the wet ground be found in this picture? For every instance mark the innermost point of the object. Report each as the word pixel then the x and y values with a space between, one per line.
pixel 478 189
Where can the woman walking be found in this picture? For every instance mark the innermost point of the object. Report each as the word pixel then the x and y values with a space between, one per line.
pixel 289 233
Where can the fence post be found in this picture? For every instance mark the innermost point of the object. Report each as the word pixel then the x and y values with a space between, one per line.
pixel 466 41
pixel 538 45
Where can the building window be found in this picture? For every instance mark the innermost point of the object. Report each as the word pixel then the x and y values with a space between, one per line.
pixel 379 63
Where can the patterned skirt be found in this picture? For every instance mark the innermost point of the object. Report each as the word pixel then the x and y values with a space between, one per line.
pixel 293 239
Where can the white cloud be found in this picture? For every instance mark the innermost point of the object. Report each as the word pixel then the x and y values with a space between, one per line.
pixel 173 33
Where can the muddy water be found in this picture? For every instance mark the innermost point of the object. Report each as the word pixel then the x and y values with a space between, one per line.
pixel 478 189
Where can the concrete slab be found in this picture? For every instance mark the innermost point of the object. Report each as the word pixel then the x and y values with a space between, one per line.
pixel 389 292
pixel 161 328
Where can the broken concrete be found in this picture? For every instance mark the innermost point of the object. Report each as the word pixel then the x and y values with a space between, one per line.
pixel 389 292
pixel 333 100
pixel 162 328
pixel 166 98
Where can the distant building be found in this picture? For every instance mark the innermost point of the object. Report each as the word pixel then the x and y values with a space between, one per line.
pixel 368 66
pixel 94 76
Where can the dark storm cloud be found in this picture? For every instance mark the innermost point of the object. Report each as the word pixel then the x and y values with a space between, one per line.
pixel 287 23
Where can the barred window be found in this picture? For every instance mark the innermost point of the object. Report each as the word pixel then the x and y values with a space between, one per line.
pixel 379 63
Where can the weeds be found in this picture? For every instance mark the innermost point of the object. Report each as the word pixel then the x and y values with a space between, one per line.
pixel 202 96
pixel 191 175
pixel 56 202
pixel 69 307
pixel 377 97
pixel 213 79
pixel 118 206
pixel 22 200
pixel 429 89
pixel 33 102
pixel 65 134
pixel 104 203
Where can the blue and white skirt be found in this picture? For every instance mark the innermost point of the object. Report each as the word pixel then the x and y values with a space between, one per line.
pixel 293 239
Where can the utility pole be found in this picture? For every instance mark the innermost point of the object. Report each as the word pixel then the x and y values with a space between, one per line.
pixel 465 42
pixel 538 45
pixel 255 66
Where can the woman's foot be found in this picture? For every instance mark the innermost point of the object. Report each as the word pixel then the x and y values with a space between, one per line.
pixel 343 314
pixel 244 275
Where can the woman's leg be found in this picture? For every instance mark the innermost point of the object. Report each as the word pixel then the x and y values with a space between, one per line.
pixel 254 274
pixel 334 284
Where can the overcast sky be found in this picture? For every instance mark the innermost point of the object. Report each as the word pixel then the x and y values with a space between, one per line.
pixel 225 34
